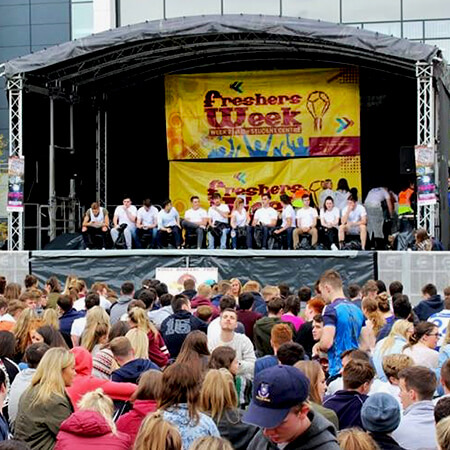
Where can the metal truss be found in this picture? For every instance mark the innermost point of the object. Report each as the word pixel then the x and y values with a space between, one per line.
pixel 15 91
pixel 426 214
pixel 101 156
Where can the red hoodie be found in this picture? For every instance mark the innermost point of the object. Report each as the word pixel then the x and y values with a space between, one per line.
pixel 85 382
pixel 130 422
pixel 89 430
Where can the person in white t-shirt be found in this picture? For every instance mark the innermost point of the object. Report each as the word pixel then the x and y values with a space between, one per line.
pixel 306 221
pixel 218 214
pixel 265 217
pixel 195 221
pixel 240 220
pixel 95 222
pixel 169 224
pixel 125 214
pixel 354 222
pixel 147 225
pixel 287 220
pixel 329 219
pixel 327 191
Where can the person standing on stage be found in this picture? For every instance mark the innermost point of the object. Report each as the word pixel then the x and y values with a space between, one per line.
pixel 196 220
pixel 147 224
pixel 266 217
pixel 95 221
pixel 169 223
pixel 125 214
pixel 218 214
pixel 375 199
pixel 354 221
pixel 306 221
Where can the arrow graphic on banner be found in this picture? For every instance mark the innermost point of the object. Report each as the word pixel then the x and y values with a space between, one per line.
pixel 344 123
pixel 240 176
pixel 237 86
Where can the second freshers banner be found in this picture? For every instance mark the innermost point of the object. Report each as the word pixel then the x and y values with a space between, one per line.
pixel 251 179
pixel 290 113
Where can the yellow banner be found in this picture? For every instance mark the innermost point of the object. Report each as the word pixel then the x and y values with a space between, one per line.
pixel 251 179
pixel 290 113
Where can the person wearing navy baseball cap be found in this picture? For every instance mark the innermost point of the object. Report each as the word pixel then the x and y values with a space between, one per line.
pixel 279 406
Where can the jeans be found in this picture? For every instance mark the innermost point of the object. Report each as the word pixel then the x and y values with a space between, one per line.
pixel 193 228
pixel 90 235
pixel 176 233
pixel 149 235
pixel 223 239
pixel 234 239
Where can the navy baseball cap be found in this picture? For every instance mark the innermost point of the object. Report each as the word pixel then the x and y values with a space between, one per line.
pixel 275 391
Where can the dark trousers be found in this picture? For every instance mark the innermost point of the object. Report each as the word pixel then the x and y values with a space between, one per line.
pixel 165 237
pixel 94 234
pixel 146 238
pixel 248 237
pixel 191 229
pixel 329 236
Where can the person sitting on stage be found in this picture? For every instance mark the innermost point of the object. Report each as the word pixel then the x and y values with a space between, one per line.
pixel 354 222
pixel 327 186
pixel 125 214
pixel 306 221
pixel 287 220
pixel 329 219
pixel 169 224
pixel 95 222
pixel 266 217
pixel 195 221
pixel 147 224
pixel 218 214
pixel 240 220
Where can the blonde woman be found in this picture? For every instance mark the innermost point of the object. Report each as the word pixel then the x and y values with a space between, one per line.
pixel 218 398
pixel 317 387
pixel 211 443
pixel 95 333
pixel 92 426
pixel 356 439
pixel 236 288
pixel 392 344
pixel 45 404
pixel 443 433
pixel 51 318
pixel 12 291
pixel 158 434
pixel 444 352
pixel 26 323
pixel 157 350
pixel 139 342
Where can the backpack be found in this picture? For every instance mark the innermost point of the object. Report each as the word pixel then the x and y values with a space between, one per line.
pixel 121 243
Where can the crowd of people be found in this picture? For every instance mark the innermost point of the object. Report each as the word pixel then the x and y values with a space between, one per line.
pixel 223 366
pixel 339 221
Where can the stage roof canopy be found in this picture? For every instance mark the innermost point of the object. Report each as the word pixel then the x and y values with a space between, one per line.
pixel 131 54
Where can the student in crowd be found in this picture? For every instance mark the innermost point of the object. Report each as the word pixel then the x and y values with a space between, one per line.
pixel 194 351
pixel 343 321
pixel 442 318
pixel 317 388
pixel 290 353
pixel 255 288
pixel 214 329
pixel 203 298
pixel 120 308
pixel 176 327
pixel 422 343
pixel 235 288
pixel 394 343
pixel 292 311
pixel 239 342
pixel 444 353
pixel 356 439
pixel 354 294
pixel 78 325
pixel 179 402
pixel 218 399
pixel 84 381
pixel 263 326
pixel 68 315
pixel 279 407
pixel 158 434
pixel 246 315
pixel 443 433
pixel 144 402
pixel 442 409
pixel 95 333
pixel 7 365
pixel 92 426
pixel 380 416
pixel 417 429
pixel 46 397
pixel 4 428
pixel 50 335
pixel 431 304
pixel 357 377
pixel 158 316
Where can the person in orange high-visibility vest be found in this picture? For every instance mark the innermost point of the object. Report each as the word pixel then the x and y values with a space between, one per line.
pixel 405 199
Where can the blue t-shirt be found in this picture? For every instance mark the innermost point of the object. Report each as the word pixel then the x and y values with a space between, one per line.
pixel 347 319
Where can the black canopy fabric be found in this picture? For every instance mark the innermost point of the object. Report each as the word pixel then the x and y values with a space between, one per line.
pixel 340 37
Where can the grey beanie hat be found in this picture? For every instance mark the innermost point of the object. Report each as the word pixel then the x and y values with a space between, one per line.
pixel 380 413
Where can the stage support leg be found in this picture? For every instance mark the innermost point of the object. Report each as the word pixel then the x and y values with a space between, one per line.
pixel 51 176
pixel 101 154
pixel 15 92
pixel 426 119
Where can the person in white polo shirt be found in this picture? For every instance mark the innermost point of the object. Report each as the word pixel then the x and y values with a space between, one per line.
pixel 147 224
pixel 218 215
pixel 306 221
pixel 169 224
pixel 266 217
pixel 125 214
pixel 354 222
pixel 195 220
pixel 287 219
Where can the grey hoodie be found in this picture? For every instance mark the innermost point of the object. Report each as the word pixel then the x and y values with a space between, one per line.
pixel 320 435
pixel 18 386
pixel 119 308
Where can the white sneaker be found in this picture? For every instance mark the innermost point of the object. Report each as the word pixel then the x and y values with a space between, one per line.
pixel 334 247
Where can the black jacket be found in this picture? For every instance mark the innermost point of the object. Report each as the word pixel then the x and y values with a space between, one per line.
pixel 428 307
pixel 347 405
pixel 385 442
pixel 231 427
pixel 176 327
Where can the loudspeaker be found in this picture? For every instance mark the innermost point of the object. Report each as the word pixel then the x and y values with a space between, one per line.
pixel 407 161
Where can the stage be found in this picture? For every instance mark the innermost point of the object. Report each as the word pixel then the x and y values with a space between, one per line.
pixel 296 268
